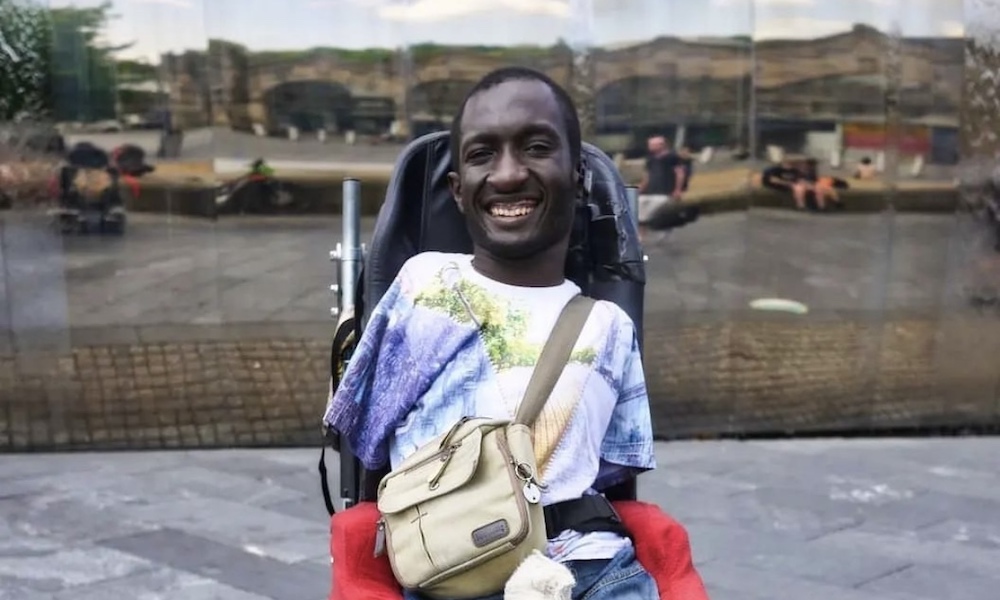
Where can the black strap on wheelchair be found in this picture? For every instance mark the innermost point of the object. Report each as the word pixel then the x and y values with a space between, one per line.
pixel 332 438
pixel 323 483
pixel 586 515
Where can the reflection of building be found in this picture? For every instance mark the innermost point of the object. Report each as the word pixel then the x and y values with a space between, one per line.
pixel 702 85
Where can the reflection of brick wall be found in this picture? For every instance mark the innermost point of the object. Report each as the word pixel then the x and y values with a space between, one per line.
pixel 154 395
pixel 926 64
pixel 705 376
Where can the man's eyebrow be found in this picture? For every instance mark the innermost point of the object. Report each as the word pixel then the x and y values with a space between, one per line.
pixel 531 128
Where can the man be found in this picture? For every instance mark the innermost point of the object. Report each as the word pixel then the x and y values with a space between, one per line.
pixel 687 163
pixel 784 177
pixel 458 335
pixel 662 182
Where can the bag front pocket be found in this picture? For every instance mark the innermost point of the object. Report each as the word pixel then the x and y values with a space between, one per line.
pixel 441 473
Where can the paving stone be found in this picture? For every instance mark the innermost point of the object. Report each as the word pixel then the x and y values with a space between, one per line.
pixel 231 566
pixel 83 515
pixel 929 509
pixel 308 507
pixel 228 521
pixel 846 568
pixel 727 541
pixel 253 465
pixel 160 583
pixel 983 533
pixel 907 546
pixel 70 566
pixel 189 481
pixel 11 590
pixel 935 583
pixel 755 583
pixel 794 535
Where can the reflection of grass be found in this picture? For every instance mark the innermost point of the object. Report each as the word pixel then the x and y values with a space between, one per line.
pixel 366 56
pixel 419 53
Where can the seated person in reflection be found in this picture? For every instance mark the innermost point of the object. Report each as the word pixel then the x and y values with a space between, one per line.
pixel 823 189
pixel 457 335
pixel 785 177
pixel 865 169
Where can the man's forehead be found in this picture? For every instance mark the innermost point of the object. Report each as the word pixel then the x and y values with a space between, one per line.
pixel 515 103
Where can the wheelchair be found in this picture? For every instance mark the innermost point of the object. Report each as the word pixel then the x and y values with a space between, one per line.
pixel 81 210
pixel 419 215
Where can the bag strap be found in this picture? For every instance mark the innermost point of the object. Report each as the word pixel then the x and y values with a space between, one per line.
pixel 554 358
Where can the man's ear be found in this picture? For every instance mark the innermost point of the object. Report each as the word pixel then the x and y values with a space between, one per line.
pixel 455 185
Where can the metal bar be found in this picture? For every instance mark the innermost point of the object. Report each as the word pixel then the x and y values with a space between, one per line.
pixel 349 256
pixel 350 252
pixel 350 476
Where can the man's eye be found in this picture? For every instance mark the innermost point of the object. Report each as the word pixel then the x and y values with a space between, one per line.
pixel 537 148
pixel 478 155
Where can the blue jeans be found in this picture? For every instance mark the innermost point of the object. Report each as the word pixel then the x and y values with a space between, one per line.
pixel 619 578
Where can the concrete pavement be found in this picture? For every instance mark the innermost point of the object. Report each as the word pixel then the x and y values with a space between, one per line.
pixel 879 519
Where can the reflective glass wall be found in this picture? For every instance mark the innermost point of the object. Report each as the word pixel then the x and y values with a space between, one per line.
pixel 864 298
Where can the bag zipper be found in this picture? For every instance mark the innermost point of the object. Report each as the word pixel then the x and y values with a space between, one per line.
pixel 522 503
pixel 439 455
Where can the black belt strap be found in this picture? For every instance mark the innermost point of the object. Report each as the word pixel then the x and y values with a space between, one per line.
pixel 586 515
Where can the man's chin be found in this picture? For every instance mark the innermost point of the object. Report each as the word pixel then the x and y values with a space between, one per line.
pixel 509 246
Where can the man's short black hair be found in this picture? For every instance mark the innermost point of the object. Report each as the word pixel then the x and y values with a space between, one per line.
pixel 571 119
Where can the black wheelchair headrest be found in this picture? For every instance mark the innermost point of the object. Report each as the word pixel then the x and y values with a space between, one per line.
pixel 420 215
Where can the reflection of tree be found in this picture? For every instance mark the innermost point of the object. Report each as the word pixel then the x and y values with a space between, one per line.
pixel 24 59
pixel 53 62
pixel 83 69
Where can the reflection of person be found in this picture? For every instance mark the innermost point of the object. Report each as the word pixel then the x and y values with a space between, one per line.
pixel 822 187
pixel 425 359
pixel 687 163
pixel 784 177
pixel 662 183
pixel 865 169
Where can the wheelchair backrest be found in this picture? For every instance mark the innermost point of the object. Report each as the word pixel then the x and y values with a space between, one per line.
pixel 420 215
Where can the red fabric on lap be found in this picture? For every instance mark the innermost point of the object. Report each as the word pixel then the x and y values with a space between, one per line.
pixel 661 544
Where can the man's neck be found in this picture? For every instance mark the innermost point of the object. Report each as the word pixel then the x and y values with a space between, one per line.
pixel 545 269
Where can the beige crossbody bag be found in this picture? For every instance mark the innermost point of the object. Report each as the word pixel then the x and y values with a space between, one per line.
pixel 461 513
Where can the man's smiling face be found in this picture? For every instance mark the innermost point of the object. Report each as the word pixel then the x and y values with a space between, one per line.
pixel 516 183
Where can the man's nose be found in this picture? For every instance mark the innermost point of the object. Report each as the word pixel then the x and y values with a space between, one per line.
pixel 509 173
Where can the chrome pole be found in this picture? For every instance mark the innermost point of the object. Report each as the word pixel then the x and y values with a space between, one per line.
pixel 350 259
pixel 349 254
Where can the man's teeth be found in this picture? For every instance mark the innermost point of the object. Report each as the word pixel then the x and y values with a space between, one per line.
pixel 519 210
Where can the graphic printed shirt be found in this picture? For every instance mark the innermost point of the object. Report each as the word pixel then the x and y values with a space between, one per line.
pixel 447 342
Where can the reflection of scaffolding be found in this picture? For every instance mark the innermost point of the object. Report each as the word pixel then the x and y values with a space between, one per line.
pixel 437 100
pixel 649 101
pixel 309 106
